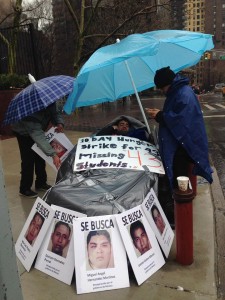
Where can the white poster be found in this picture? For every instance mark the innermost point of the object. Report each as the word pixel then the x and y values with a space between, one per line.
pixel 158 221
pixel 141 245
pixel 100 256
pixel 33 232
pixel 59 142
pixel 56 255
pixel 116 152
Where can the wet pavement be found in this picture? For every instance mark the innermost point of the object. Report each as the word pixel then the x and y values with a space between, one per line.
pixel 94 117
pixel 173 281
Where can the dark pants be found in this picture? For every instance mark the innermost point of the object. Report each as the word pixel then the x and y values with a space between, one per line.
pixel 30 162
pixel 181 165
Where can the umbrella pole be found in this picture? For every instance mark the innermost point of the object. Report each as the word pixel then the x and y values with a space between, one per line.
pixel 138 98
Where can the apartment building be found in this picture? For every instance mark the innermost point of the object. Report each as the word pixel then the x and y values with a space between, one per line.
pixel 208 16
pixel 215 24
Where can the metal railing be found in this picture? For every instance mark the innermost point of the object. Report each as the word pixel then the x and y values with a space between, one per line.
pixel 26 50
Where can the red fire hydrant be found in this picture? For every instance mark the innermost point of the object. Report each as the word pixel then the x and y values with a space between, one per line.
pixel 184 225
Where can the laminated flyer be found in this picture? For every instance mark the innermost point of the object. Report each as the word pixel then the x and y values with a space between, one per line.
pixel 141 245
pixel 33 232
pixel 56 255
pixel 100 256
pixel 59 142
pixel 158 221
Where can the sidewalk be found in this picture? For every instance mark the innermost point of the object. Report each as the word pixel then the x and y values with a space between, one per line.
pixel 196 281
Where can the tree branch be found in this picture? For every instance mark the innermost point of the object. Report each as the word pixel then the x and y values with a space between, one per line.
pixel 73 15
pixel 146 10
pixel 91 16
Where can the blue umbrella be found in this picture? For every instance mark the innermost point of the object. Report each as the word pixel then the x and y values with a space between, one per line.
pixel 38 96
pixel 129 66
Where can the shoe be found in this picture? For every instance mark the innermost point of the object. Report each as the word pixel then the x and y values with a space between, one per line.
pixel 29 194
pixel 44 187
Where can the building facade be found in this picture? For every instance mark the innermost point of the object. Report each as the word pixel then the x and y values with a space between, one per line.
pixel 208 16
pixel 215 24
pixel 194 20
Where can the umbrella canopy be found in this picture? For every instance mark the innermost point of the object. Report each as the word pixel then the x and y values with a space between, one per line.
pixel 129 66
pixel 38 96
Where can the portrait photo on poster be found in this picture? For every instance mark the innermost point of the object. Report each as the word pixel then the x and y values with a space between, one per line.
pixel 58 147
pixel 99 250
pixel 34 228
pixel 139 238
pixel 60 238
pixel 158 219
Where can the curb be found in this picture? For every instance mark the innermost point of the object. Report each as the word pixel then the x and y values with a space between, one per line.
pixel 219 229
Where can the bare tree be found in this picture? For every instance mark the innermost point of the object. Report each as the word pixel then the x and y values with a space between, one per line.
pixel 15 15
pixel 39 13
pixel 97 22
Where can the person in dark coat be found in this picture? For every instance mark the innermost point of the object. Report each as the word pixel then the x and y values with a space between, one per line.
pixel 28 131
pixel 182 134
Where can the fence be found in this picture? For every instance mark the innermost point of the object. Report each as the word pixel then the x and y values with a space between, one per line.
pixel 26 50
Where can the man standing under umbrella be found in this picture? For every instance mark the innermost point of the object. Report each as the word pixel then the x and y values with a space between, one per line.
pixel 182 135
pixel 31 130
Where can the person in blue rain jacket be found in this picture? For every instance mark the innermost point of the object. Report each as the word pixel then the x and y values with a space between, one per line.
pixel 182 135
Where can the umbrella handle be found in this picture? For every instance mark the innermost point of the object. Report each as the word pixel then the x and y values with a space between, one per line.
pixel 138 98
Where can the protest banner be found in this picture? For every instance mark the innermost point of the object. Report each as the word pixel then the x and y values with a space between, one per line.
pixel 33 232
pixel 59 142
pixel 140 242
pixel 116 152
pixel 100 256
pixel 158 221
pixel 56 255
